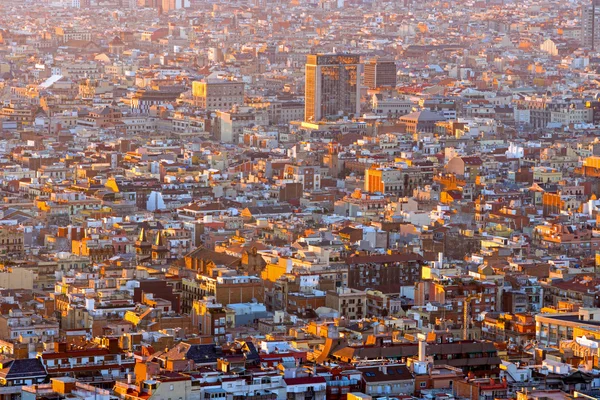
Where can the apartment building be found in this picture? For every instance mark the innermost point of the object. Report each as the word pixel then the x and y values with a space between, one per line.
pixel 307 175
pixel 218 94
pixel 11 240
pixel 351 303
pixel 67 33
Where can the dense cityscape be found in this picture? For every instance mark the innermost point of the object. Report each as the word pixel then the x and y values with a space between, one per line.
pixel 299 199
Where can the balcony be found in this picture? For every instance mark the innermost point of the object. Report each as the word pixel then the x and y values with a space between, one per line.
pixel 128 363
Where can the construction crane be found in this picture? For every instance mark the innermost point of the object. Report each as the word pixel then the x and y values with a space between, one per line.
pixel 466 310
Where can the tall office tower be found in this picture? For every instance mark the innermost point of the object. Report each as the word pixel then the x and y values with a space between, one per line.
pixel 590 25
pixel 380 73
pixel 332 86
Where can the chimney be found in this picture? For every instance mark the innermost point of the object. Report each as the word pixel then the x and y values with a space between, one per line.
pixel 422 350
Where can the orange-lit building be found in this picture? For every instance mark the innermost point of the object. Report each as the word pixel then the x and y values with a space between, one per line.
pixel 590 167
pixel 561 236
pixel 519 328
pixel 482 388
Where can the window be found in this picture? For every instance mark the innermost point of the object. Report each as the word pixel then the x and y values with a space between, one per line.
pixel 423 384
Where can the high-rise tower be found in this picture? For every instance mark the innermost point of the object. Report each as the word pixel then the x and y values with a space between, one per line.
pixel 590 25
pixel 332 86
pixel 380 73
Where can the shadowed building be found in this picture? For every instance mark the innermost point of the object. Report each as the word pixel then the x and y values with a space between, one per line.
pixel 380 73
pixel 590 24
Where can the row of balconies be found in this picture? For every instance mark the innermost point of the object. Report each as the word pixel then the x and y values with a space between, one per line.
pixel 129 362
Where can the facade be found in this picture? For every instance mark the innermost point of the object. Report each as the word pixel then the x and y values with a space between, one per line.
pixel 438 378
pixel 484 388
pixel 19 327
pixel 11 240
pixel 225 289
pixel 518 328
pixel 386 273
pixel 391 379
pixel 97 249
pixel 351 303
pixel 380 73
pixel 309 388
pixel 229 125
pixel 551 329
pixel 307 175
pixel 467 168
pixel 332 86
pixel 22 114
pixel 170 5
pixel 64 388
pixel 211 319
pixel 109 362
pixel 279 111
pixel 218 94
pixel 421 121
pixel 392 107
pixel 400 181
pixel 68 33
pixel 176 387
pixel 564 237
pixel 590 24
pixel 144 99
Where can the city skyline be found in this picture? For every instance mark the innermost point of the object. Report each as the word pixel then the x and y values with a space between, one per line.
pixel 299 200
